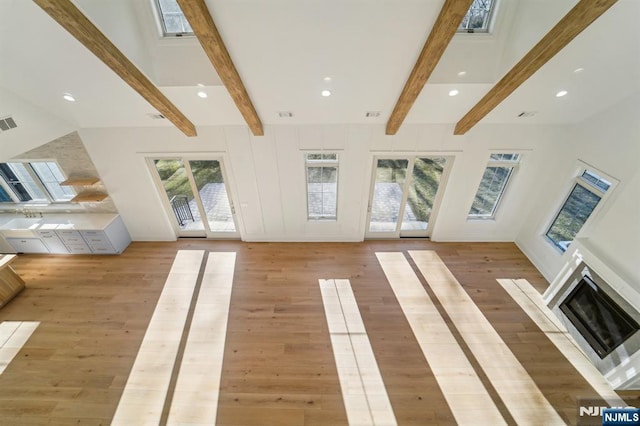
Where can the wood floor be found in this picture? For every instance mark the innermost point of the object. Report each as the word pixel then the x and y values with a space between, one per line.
pixel 278 366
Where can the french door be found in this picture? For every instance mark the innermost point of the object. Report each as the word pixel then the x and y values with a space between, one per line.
pixel 405 195
pixel 196 196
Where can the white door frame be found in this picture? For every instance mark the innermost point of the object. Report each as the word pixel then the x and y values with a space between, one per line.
pixel 185 158
pixel 410 157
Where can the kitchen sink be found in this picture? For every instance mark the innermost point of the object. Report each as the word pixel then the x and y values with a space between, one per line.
pixel 22 223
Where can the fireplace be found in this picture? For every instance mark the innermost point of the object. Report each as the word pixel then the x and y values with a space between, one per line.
pixel 600 320
pixel 600 310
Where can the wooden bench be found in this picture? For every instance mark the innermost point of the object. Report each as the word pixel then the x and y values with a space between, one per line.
pixel 10 283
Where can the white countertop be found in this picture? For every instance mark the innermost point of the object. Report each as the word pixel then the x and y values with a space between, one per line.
pixel 82 221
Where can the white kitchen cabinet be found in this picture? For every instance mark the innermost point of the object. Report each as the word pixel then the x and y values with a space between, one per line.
pixel 52 241
pixel 27 245
pixel 75 234
pixel 114 238
pixel 98 242
pixel 73 240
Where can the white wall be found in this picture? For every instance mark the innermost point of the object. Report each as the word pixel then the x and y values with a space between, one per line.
pixel 35 126
pixel 267 177
pixel 609 142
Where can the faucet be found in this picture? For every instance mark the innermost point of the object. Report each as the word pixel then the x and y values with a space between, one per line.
pixel 28 212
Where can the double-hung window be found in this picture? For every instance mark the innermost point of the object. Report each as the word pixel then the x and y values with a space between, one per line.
pixel 588 190
pixel 322 186
pixel 37 181
pixel 493 185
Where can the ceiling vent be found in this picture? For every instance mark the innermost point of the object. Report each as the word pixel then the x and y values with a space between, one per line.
pixel 285 114
pixel 156 116
pixel 526 114
pixel 371 114
pixel 7 123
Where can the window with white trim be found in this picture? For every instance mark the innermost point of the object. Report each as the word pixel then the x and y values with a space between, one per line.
pixel 173 21
pixel 478 17
pixel 38 181
pixel 587 192
pixel 322 186
pixel 493 185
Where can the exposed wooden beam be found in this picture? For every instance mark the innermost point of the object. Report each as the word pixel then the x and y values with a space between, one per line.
pixel 75 22
pixel 201 22
pixel 441 34
pixel 573 23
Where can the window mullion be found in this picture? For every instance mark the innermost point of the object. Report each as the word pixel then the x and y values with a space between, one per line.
pixel 589 187
pixel 7 188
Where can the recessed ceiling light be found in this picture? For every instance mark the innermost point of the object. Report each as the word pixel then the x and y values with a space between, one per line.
pixel 69 97
pixel 202 94
pixel 327 79
pixel 200 85
pixel 578 70
pixel 325 93
pixel 453 92
pixel 462 73
pixel 561 93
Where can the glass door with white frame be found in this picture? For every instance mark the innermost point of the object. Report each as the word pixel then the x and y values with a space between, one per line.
pixel 404 196
pixel 197 197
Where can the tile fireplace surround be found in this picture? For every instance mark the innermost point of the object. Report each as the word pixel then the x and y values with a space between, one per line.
pixel 621 368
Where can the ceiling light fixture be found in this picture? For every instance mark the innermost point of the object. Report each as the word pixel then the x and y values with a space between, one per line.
pixel 453 92
pixel 561 93
pixel 202 94
pixel 325 93
pixel 69 97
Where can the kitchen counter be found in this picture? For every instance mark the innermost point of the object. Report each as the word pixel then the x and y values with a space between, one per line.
pixel 57 221
pixel 83 233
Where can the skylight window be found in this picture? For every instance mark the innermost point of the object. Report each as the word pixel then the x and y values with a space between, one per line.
pixel 478 17
pixel 174 23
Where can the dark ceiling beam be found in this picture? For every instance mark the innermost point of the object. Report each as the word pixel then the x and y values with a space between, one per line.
pixel 441 34
pixel 573 23
pixel 65 13
pixel 204 28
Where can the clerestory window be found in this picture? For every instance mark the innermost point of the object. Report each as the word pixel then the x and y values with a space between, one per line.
pixel 174 23
pixel 478 17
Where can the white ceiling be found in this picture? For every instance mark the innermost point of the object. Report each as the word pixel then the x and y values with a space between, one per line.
pixel 284 48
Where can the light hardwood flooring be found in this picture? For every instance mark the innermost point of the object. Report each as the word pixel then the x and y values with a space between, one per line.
pixel 278 366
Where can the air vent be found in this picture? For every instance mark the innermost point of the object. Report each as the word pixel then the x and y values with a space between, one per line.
pixel 372 114
pixel 156 116
pixel 7 123
pixel 525 114
pixel 285 114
